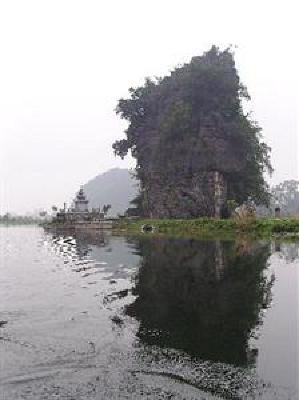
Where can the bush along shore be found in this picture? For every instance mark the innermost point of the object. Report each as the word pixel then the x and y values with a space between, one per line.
pixel 261 227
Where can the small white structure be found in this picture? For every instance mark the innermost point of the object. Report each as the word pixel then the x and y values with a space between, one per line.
pixel 79 216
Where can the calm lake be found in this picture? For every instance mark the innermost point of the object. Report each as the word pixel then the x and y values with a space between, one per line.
pixel 109 317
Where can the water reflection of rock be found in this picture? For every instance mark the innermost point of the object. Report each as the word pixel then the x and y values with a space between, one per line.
pixel 203 297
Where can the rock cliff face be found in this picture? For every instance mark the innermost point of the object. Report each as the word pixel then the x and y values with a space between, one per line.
pixel 197 195
pixel 165 196
pixel 192 140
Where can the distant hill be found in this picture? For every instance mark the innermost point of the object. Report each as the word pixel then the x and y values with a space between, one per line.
pixel 116 187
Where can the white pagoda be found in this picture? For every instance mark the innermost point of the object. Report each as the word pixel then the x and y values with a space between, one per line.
pixel 79 213
pixel 81 202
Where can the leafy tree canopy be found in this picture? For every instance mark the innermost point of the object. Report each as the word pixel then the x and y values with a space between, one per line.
pixel 286 196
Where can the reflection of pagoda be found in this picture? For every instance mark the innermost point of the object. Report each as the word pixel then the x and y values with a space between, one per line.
pixel 81 203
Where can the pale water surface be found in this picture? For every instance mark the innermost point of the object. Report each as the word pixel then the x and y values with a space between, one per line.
pixel 103 317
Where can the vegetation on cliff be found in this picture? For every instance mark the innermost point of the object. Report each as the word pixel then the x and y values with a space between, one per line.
pixel 186 127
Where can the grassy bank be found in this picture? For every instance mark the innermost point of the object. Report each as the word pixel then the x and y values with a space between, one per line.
pixel 263 227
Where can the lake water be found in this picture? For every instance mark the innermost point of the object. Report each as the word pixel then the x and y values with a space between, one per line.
pixel 106 317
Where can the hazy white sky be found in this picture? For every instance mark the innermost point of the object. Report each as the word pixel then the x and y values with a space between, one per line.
pixel 65 63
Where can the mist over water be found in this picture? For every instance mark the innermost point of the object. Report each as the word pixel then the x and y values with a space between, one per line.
pixel 110 317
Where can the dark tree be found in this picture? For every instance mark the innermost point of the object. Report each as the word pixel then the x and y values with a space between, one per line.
pixel 194 145
pixel 286 196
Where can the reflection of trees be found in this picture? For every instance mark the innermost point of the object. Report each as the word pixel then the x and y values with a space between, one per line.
pixel 203 297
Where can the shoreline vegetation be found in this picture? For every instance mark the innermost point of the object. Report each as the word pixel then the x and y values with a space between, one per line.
pixel 287 227
pixel 20 221
pixel 259 227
